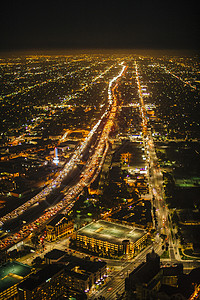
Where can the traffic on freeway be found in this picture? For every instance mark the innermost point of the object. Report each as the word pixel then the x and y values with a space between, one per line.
pixel 91 169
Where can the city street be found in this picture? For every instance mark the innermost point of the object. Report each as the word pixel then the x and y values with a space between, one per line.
pixel 102 146
pixel 119 270
pixel 116 281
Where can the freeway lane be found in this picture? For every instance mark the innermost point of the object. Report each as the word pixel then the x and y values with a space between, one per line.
pixel 91 168
pixel 73 161
pixel 38 208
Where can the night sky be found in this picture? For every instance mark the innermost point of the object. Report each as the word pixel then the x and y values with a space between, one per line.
pixel 99 24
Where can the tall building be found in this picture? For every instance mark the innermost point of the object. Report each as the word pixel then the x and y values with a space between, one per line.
pixel 56 159
pixel 151 281
pixel 145 280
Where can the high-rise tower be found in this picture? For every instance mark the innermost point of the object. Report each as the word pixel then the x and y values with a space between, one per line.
pixel 56 159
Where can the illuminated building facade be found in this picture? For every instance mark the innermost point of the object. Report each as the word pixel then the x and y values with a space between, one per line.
pixel 112 239
pixel 59 227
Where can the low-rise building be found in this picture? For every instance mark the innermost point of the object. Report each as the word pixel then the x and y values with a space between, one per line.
pixel 80 274
pixel 59 227
pixel 11 275
pixel 137 214
pixel 46 284
pixel 171 274
pixel 107 238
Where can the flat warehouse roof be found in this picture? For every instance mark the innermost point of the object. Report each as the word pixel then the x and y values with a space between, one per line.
pixel 12 273
pixel 111 232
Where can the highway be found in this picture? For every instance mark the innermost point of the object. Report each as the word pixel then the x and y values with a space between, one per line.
pixel 75 159
pixel 115 283
pixel 91 169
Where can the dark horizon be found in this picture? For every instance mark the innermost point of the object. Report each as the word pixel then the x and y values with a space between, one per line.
pixel 97 51
pixel 138 25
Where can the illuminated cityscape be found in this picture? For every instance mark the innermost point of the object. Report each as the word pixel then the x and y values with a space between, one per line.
pixel 106 169
pixel 99 150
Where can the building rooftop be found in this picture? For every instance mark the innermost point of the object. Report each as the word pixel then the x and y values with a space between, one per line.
pixel 72 261
pixel 139 212
pixel 12 273
pixel 173 270
pixel 194 276
pixel 146 271
pixel 55 254
pixel 111 232
pixel 60 218
pixel 86 265
pixel 41 276
pixel 81 276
